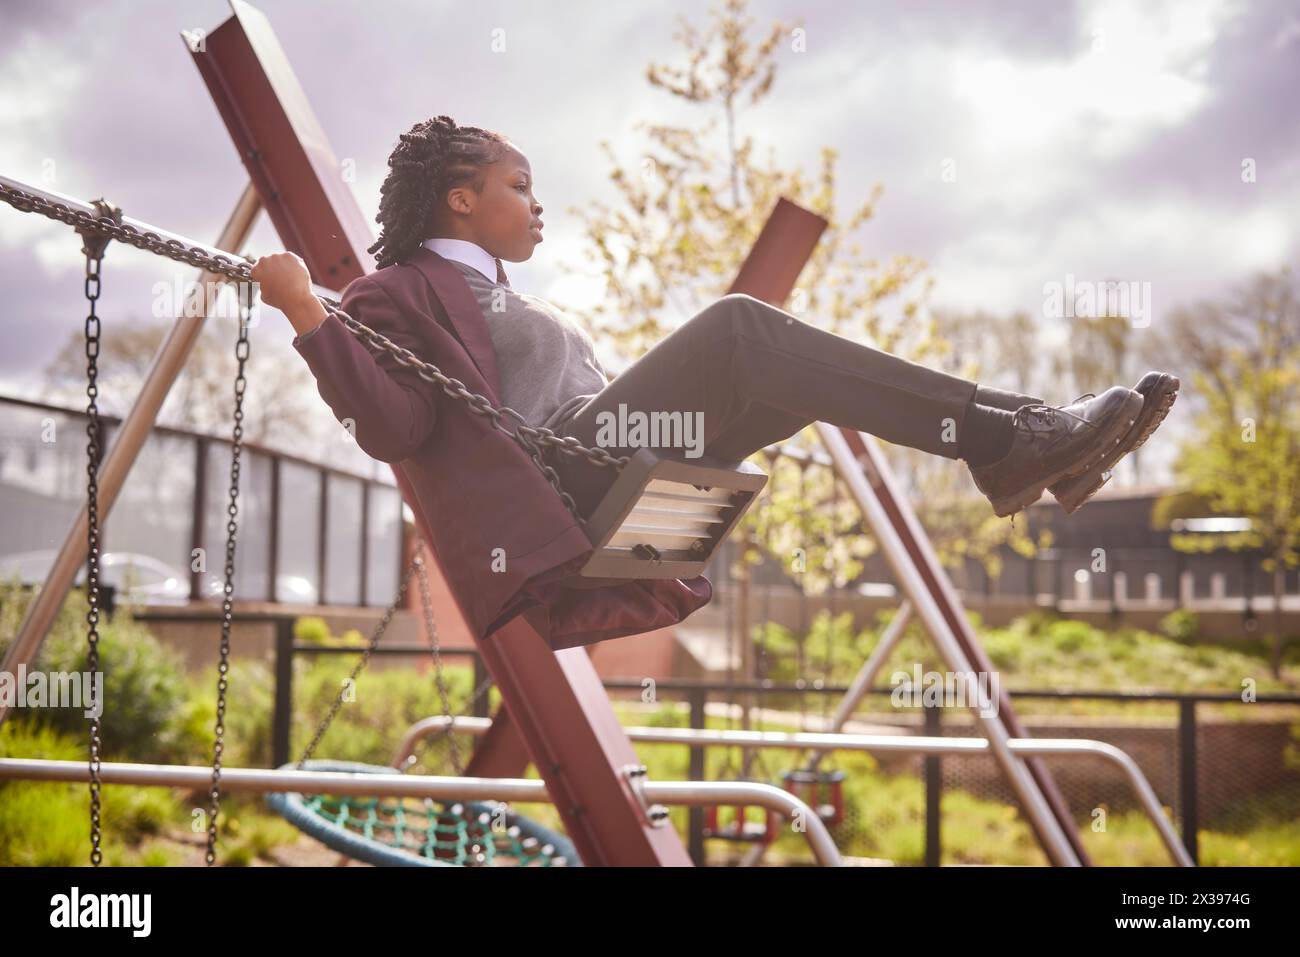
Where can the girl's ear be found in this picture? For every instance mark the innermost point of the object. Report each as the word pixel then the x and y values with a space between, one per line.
pixel 456 200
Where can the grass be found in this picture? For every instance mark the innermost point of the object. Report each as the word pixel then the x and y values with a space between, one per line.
pixel 47 824
pixel 1043 651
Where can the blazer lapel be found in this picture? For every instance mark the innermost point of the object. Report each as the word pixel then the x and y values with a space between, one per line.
pixel 463 310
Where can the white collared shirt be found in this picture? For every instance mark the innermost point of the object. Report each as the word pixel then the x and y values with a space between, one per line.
pixel 464 251
pixel 460 250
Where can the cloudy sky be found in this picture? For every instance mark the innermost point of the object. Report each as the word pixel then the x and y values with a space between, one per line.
pixel 1094 139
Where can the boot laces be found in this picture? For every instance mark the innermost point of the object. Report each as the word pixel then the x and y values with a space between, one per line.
pixel 1046 414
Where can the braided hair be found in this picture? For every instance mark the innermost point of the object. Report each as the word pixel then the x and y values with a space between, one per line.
pixel 434 157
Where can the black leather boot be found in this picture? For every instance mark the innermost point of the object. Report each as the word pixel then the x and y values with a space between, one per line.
pixel 1050 444
pixel 1158 391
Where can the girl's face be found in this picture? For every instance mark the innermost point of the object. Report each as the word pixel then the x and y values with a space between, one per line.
pixel 505 219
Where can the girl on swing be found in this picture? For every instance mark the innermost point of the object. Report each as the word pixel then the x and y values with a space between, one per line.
pixel 757 373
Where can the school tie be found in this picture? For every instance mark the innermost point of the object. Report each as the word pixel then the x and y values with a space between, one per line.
pixel 501 274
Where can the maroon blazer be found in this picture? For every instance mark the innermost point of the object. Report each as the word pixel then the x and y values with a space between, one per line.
pixel 500 533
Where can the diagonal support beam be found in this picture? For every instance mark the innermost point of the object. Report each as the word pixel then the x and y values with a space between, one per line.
pixel 861 463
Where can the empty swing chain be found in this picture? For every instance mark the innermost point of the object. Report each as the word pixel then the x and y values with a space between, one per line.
pixel 439 677
pixel 350 681
pixel 535 440
pixel 94 244
pixel 228 591
pixel 416 565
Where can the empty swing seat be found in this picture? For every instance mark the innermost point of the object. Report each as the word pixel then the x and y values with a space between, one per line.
pixel 665 517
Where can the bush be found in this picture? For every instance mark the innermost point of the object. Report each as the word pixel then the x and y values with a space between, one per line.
pixel 146 701
pixel 1180 625
pixel 1071 636
pixel 311 629
pixel 46 824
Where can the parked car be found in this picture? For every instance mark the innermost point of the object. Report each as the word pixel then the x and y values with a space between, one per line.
pixel 143 579
pixel 135 577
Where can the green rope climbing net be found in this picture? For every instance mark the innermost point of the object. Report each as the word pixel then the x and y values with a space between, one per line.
pixel 414 832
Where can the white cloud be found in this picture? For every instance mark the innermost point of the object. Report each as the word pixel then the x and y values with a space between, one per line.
pixel 1177 246
pixel 27 107
pixel 1137 70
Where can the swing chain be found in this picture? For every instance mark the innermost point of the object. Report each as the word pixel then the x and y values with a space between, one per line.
pixel 417 565
pixel 537 441
pixel 232 509
pixel 351 680
pixel 93 246
pixel 432 631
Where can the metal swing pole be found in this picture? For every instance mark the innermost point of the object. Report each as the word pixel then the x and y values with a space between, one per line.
pixel 167 364
pixel 864 468
pixel 905 545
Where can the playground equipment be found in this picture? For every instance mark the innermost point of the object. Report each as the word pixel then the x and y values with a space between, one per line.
pixel 554 711
pixel 663 517
pixel 824 789
pixel 650 794
pixel 403 832
pixel 396 832
pixel 304 781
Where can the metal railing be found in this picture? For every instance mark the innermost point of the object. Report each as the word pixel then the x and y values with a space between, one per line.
pixel 200 513
pixel 439 788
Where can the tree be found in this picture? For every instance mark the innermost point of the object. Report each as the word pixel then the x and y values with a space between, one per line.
pixel 1002 351
pixel 278 402
pixel 691 206
pixel 1244 457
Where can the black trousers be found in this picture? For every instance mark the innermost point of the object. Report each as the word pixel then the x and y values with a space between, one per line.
pixel 749 374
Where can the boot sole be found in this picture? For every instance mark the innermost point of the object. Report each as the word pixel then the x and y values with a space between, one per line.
pixel 1010 504
pixel 1079 490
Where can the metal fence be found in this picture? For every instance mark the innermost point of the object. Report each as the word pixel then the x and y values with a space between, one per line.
pixel 307 533
pixel 1217 766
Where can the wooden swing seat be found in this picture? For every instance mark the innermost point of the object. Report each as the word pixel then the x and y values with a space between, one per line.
pixel 665 517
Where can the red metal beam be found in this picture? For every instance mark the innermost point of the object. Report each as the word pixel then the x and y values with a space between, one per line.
pixel 780 252
pixel 570 729
pixel 283 147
